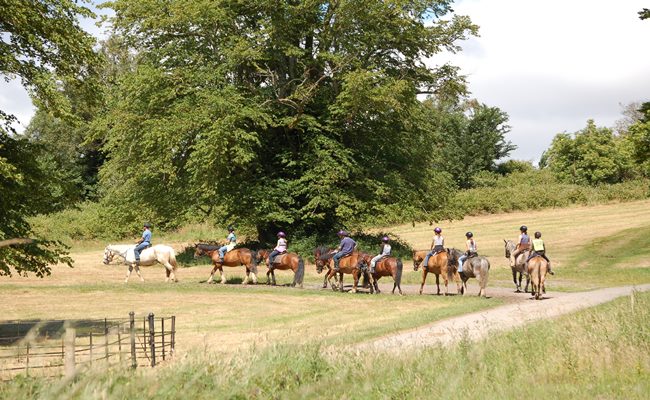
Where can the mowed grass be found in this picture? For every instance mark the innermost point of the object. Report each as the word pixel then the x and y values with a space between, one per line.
pixel 601 353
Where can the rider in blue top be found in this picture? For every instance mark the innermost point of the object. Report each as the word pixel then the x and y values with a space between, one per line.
pixel 231 239
pixel 346 247
pixel 143 242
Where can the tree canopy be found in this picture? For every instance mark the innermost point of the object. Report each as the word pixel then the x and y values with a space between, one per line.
pixel 299 114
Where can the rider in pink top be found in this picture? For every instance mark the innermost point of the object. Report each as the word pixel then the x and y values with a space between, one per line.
pixel 280 248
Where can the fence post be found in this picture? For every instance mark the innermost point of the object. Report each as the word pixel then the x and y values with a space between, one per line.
pixel 162 330
pixel 134 362
pixel 69 363
pixel 91 348
pixel 106 338
pixel 173 346
pixel 152 339
pixel 27 359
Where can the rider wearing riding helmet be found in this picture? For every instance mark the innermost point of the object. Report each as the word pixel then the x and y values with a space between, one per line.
pixel 346 247
pixel 539 249
pixel 523 244
pixel 384 251
pixel 143 242
pixel 471 249
pixel 437 246
pixel 280 248
pixel 231 241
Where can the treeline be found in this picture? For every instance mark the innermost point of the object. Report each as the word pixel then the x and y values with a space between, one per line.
pixel 300 116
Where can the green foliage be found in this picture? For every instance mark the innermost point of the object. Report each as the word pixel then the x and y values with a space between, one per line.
pixel 639 137
pixel 472 139
pixel 298 115
pixel 589 157
pixel 21 184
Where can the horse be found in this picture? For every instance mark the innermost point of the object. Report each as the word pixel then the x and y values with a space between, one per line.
pixel 159 253
pixel 439 265
pixel 537 269
pixel 347 265
pixel 386 266
pixel 283 261
pixel 233 258
pixel 520 265
pixel 474 267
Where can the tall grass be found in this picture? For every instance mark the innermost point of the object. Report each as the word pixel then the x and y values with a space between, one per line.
pixel 603 352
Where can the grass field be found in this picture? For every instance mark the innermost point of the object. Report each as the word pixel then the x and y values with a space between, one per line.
pixel 591 247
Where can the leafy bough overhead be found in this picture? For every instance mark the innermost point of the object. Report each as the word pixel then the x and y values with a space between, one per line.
pixel 300 114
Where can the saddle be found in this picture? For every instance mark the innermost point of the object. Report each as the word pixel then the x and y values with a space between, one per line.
pixel 277 258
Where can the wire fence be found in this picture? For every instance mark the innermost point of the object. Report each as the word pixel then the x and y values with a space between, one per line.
pixel 62 347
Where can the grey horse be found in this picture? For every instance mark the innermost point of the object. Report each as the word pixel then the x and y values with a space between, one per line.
pixel 520 265
pixel 475 267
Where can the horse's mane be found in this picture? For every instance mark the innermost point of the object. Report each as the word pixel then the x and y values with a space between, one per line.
pixel 207 247
pixel 324 252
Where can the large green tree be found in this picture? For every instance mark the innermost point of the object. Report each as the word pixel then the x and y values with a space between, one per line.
pixel 299 114
pixel 42 45
pixel 590 156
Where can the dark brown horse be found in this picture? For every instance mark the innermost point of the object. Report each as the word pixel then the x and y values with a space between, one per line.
pixel 438 265
pixel 386 266
pixel 347 265
pixel 233 258
pixel 283 262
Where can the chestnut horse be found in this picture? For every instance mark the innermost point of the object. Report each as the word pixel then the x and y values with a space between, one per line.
pixel 475 267
pixel 537 269
pixel 347 265
pixel 233 258
pixel 439 265
pixel 386 266
pixel 520 265
pixel 283 261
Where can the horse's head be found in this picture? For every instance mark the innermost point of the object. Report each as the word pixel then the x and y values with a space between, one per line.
pixel 321 257
pixel 108 255
pixel 363 260
pixel 417 260
pixel 198 251
pixel 454 255
pixel 510 246
pixel 261 255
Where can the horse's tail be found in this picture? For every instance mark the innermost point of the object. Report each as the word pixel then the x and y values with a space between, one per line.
pixel 300 272
pixel 172 259
pixel 485 270
pixel 253 254
pixel 398 273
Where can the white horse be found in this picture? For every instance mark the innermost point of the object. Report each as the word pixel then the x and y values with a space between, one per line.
pixel 159 253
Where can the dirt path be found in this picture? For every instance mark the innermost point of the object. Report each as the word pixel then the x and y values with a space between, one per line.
pixel 476 326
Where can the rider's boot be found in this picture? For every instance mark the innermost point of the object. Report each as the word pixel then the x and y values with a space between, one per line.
pixel 549 269
pixel 336 266
pixel 372 269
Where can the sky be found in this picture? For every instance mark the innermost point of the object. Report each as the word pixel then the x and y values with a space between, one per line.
pixel 550 65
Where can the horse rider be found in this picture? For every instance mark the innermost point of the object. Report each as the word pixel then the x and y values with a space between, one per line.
pixel 437 246
pixel 143 242
pixel 231 241
pixel 470 250
pixel 280 248
pixel 346 247
pixel 523 244
pixel 540 250
pixel 384 251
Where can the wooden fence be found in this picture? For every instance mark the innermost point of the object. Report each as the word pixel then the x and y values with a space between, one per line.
pixel 58 347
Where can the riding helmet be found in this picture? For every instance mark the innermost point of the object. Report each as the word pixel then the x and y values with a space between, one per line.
pixel 342 233
pixel 147 225
pixel 469 234
pixel 437 230
pixel 231 228
pixel 384 239
pixel 523 228
pixel 538 235
pixel 281 234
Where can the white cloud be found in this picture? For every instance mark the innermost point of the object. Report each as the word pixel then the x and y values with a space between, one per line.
pixel 553 64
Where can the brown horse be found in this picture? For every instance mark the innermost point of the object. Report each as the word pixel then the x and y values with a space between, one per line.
pixel 537 269
pixel 386 266
pixel 520 265
pixel 439 265
pixel 347 265
pixel 283 261
pixel 233 258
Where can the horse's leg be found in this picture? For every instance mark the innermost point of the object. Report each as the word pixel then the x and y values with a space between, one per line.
pixel 137 271
pixel 325 280
pixel 424 278
pixel 514 280
pixel 169 269
pixel 253 275
pixel 222 274
pixel 268 276
pixel 355 281
pixel 341 281
pixel 273 277
pixel 438 283
pixel 211 278
pixel 527 282
pixel 128 273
